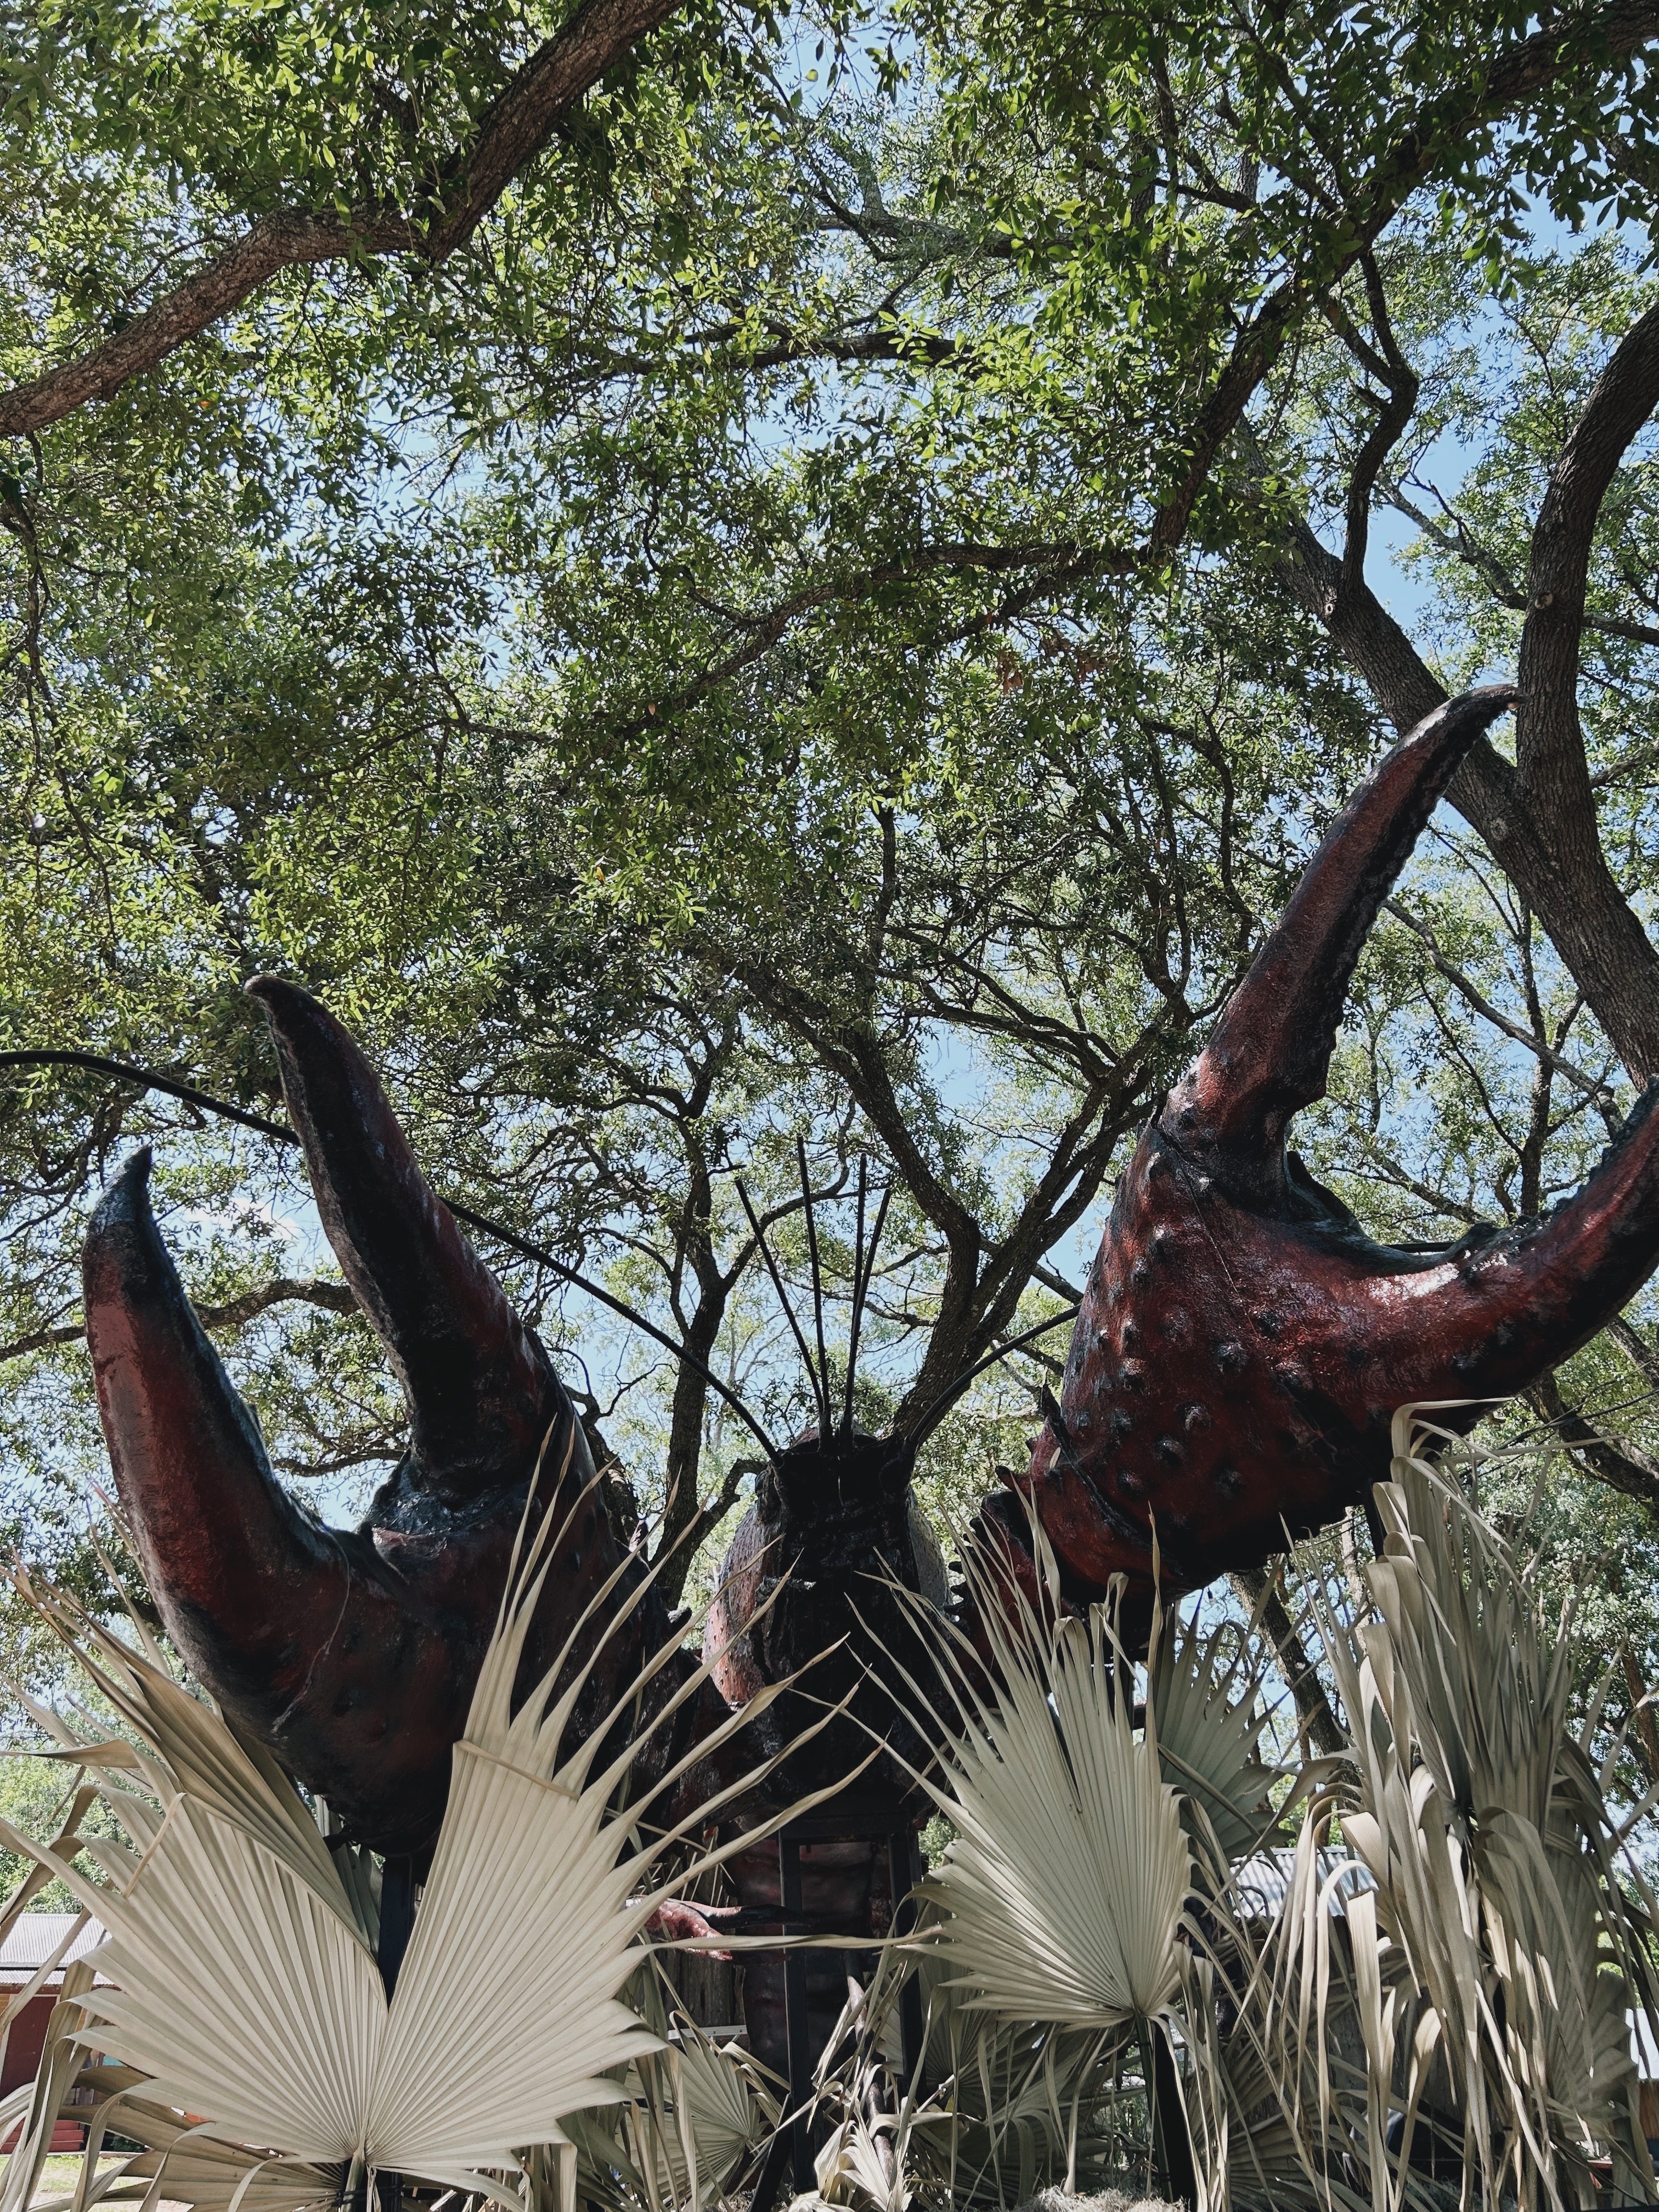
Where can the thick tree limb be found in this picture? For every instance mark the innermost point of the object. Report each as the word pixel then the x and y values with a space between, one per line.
pixel 286 1289
pixel 1637 1349
pixel 1641 1711
pixel 510 133
pixel 1624 1467
pixel 1594 930
pixel 1596 36
pixel 1575 897
pixel 1400 380
pixel 697 1526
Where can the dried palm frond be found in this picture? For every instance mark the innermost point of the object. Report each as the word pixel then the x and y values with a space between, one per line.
pixel 1503 1934
pixel 728 2100
pixel 690 2120
pixel 1278 2105
pixel 1063 1890
pixel 242 1983
pixel 1205 1690
pixel 1066 1898
pixel 1001 2109
pixel 866 2158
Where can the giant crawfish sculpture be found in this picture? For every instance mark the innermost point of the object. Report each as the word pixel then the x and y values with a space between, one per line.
pixel 1239 1353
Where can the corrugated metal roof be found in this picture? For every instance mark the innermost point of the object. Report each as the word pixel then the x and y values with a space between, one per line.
pixel 35 1935
pixel 1263 1881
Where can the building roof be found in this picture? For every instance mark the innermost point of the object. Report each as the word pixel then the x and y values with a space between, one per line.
pixel 1262 1881
pixel 33 1937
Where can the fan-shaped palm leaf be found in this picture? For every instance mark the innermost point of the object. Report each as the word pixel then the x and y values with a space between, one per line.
pixel 1066 1884
pixel 1502 1941
pixel 1205 1689
pixel 242 1982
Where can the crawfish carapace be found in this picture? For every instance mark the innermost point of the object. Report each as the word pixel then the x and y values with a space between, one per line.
pixel 810 1572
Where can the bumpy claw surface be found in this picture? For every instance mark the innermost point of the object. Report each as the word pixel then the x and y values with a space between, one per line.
pixel 1242 1344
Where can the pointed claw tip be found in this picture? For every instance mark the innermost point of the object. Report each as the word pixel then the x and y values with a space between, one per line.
pixel 1483 704
pixel 295 1017
pixel 122 1217
pixel 278 996
pixel 126 1194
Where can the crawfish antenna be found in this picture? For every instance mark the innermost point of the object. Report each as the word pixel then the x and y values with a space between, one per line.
pixel 933 1413
pixel 818 1283
pixel 864 1268
pixel 818 1398
pixel 853 1324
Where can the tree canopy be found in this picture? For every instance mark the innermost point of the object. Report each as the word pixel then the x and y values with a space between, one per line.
pixel 711 575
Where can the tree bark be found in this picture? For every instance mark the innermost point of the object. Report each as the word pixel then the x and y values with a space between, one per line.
pixel 1625 1468
pixel 1555 859
pixel 1593 928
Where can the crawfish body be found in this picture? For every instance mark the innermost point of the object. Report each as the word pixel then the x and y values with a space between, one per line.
pixel 1240 1351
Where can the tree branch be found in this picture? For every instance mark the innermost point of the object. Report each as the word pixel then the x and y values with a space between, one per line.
pixel 1637 1349
pixel 473 177
pixel 286 1289
pixel 1596 37
pixel 1459 541
pixel 1624 1467
pixel 689 1534
pixel 1573 894
pixel 1596 1089
pixel 1549 740
pixel 1260 1591
pixel 1065 562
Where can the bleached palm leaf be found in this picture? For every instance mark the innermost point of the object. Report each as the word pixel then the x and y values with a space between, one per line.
pixel 177 2162
pixel 731 2107
pixel 1011 2107
pixel 1503 1940
pixel 1206 1691
pixel 635 2156
pixel 60 2062
pixel 244 1987
pixel 220 1768
pixel 1065 1887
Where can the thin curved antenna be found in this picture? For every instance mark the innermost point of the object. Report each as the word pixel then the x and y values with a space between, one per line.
pixel 852 1326
pixel 148 1080
pixel 191 1097
pixel 788 1310
pixel 817 1281
pixel 861 1286
pixel 931 1415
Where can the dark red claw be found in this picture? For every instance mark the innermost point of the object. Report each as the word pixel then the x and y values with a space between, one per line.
pixel 480 1388
pixel 353 1654
pixel 301 1630
pixel 1270 1051
pixel 1242 1345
